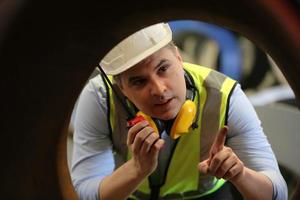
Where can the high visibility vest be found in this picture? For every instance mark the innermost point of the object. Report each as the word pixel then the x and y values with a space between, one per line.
pixel 183 180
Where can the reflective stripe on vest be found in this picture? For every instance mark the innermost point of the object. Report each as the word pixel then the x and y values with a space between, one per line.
pixel 182 179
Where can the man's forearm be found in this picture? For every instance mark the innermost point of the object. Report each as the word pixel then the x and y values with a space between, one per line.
pixel 121 183
pixel 253 185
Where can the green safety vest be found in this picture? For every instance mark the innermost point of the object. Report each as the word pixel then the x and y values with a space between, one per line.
pixel 183 180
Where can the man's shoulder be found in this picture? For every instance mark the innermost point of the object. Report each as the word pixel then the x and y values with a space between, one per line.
pixel 198 69
pixel 95 87
pixel 96 81
pixel 189 65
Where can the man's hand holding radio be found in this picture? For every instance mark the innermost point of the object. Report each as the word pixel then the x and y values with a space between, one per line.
pixel 144 144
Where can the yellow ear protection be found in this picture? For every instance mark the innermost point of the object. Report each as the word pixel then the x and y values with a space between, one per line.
pixel 187 116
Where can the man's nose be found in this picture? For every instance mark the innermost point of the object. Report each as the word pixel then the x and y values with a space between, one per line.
pixel 158 87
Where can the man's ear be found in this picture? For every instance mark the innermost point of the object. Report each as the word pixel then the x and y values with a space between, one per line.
pixel 177 54
pixel 119 84
pixel 118 81
pixel 122 89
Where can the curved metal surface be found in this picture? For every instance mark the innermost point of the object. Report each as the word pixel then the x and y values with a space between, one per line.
pixel 48 51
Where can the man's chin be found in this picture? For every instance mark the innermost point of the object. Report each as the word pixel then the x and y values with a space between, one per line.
pixel 166 116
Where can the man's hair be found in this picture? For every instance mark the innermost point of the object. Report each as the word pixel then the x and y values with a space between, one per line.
pixel 171 45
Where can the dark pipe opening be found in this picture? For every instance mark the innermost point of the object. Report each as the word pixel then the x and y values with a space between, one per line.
pixel 49 49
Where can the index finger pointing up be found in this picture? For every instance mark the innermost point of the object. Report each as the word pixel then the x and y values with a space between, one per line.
pixel 219 141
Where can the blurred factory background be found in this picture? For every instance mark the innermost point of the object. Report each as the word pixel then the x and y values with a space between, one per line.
pixel 234 55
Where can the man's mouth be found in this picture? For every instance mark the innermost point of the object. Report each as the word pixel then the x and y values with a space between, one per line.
pixel 163 103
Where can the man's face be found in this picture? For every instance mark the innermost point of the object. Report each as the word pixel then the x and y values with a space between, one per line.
pixel 156 85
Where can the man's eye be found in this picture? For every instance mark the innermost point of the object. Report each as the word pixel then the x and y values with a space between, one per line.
pixel 138 82
pixel 163 68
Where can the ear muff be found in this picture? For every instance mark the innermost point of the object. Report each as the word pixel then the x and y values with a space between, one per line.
pixel 187 116
pixel 184 119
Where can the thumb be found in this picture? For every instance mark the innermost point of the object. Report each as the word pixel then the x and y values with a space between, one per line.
pixel 219 141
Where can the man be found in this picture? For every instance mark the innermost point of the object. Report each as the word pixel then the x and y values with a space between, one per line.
pixel 202 141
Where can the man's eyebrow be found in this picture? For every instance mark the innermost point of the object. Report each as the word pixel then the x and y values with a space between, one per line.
pixel 160 63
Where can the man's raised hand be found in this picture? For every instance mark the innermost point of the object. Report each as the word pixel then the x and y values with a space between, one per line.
pixel 222 161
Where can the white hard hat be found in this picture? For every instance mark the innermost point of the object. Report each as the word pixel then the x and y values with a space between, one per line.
pixel 135 48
